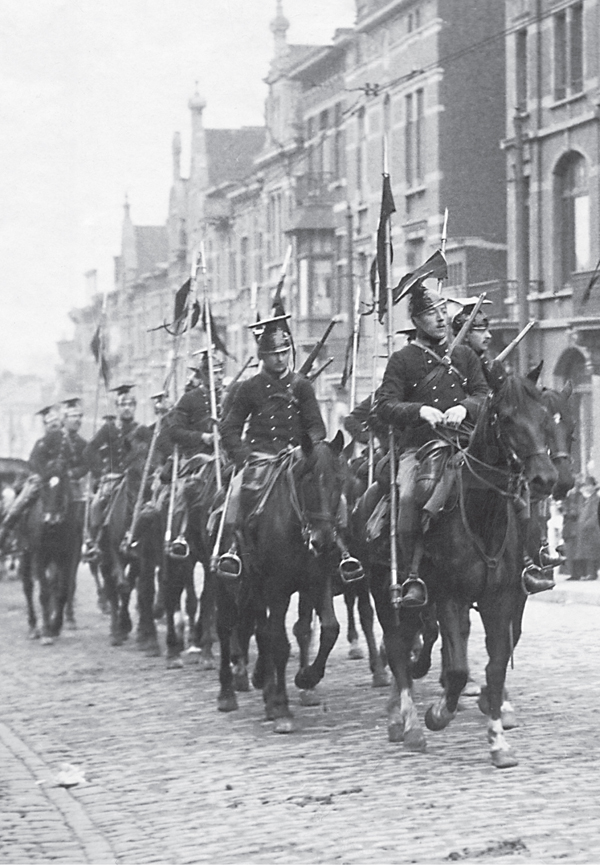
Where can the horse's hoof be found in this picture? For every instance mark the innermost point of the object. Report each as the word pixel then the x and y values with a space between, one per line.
pixel 355 653
pixel 414 740
pixel 70 625
pixel 47 641
pixel 434 722
pixel 193 654
pixel 283 725
pixel 380 679
pixel 227 703
pixel 175 663
pixel 306 679
pixel 117 640
pixel 502 759
pixel 483 703
pixel 151 650
pixel 240 681
pixel 207 664
pixel 34 634
pixel 310 698
pixel 509 719
pixel 396 732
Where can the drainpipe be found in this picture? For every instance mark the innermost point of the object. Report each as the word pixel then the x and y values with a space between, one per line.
pixel 520 241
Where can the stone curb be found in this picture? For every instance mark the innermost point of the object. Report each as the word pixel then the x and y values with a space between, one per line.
pixel 97 849
pixel 567 592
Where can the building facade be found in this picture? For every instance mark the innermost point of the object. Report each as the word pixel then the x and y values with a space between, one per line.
pixel 552 152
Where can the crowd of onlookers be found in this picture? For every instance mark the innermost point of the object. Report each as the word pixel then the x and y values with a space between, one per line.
pixel 581 528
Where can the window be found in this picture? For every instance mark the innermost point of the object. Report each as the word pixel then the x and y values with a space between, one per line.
pixel 456 277
pixel 573 215
pixel 339 161
pixel 414 103
pixel 521 68
pixel 321 287
pixel 414 253
pixel 244 276
pixel 568 51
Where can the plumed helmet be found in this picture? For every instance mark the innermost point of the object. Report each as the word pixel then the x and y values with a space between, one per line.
pixel 272 335
pixel 422 299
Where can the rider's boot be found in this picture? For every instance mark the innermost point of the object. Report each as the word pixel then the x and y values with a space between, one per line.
pixel 549 559
pixel 533 579
pixel 413 591
pixel 229 564
pixel 90 551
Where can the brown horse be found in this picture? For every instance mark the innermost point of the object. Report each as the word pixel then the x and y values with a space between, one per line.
pixel 49 541
pixel 290 547
pixel 473 553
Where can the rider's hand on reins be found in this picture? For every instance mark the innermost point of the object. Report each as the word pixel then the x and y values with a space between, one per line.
pixel 455 415
pixel 432 415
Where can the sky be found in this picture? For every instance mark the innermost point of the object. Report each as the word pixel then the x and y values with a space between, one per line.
pixel 91 93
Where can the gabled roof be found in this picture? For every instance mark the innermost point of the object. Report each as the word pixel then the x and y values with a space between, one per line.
pixel 151 246
pixel 231 152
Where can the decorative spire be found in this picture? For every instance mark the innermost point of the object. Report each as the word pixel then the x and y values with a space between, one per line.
pixel 197 102
pixel 126 206
pixel 176 156
pixel 279 28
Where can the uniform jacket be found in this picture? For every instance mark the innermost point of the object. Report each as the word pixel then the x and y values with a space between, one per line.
pixel 75 447
pixel 189 419
pixel 278 412
pixel 399 400
pixel 49 455
pixel 362 419
pixel 116 447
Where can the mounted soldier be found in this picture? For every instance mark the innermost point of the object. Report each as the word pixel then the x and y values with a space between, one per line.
pixel 424 386
pixel 120 444
pixel 191 425
pixel 47 456
pixel 277 407
pixel 479 337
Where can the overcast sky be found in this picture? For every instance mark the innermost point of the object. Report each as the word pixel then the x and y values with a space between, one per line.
pixel 91 92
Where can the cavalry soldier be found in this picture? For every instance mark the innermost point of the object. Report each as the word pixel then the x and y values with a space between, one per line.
pixel 116 447
pixel 424 386
pixel 74 446
pixel 276 407
pixel 478 338
pixel 47 458
pixel 191 425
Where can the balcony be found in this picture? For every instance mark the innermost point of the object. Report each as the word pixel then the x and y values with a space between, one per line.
pixel 586 300
pixel 313 188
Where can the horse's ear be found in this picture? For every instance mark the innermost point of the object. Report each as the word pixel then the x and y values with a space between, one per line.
pixel 567 389
pixel 534 373
pixel 349 450
pixel 337 444
pixel 306 443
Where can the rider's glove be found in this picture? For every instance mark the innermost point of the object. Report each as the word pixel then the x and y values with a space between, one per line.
pixel 455 415
pixel 430 414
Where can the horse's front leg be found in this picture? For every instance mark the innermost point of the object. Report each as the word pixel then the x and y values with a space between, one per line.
pixel 146 637
pixel 310 676
pixel 227 617
pixel 26 574
pixel 365 612
pixel 38 567
pixel 205 622
pixel 399 630
pixel 354 652
pixel 455 668
pixel 174 582
pixel 302 629
pixel 275 692
pixel 500 620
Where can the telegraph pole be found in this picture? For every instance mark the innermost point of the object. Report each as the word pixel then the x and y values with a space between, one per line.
pixel 521 233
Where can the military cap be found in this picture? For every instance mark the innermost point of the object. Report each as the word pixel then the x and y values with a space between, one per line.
pixel 158 396
pixel 202 366
pixel 48 413
pixel 122 389
pixel 468 303
pixel 72 405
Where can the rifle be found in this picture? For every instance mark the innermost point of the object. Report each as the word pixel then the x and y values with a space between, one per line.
pixel 520 336
pixel 314 375
pixel 306 366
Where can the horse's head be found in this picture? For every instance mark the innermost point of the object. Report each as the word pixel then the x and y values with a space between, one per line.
pixel 561 433
pixel 320 476
pixel 519 419
pixel 55 497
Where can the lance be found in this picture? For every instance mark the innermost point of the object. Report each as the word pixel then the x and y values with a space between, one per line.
pixel 211 370
pixel 511 345
pixel 307 365
pixel 460 336
pixel 355 335
pixel 374 359
pixel 444 239
pixel 395 589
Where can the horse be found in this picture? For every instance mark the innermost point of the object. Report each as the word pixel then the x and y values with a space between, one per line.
pixel 290 546
pixel 49 543
pixel 472 553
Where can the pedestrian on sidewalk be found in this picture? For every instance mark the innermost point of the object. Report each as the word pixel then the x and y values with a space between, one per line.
pixel 586 561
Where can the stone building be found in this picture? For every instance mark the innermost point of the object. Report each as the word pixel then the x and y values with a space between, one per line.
pixel 552 150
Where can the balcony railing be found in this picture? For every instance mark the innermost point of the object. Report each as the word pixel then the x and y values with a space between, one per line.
pixel 586 295
pixel 504 297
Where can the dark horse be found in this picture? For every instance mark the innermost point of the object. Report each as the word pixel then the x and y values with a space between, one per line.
pixel 291 547
pixel 473 553
pixel 49 544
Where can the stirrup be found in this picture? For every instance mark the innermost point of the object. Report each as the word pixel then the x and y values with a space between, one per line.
pixel 413 592
pixel 350 569
pixel 179 548
pixel 533 580
pixel 129 546
pixel 229 566
pixel 549 560
pixel 90 553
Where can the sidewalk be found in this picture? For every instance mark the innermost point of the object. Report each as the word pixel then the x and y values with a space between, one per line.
pixel 571 592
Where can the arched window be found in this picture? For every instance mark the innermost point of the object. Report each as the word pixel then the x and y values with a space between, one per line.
pixel 572 215
pixel 572 367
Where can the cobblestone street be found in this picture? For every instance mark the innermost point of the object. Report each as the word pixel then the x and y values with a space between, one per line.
pixel 171 780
